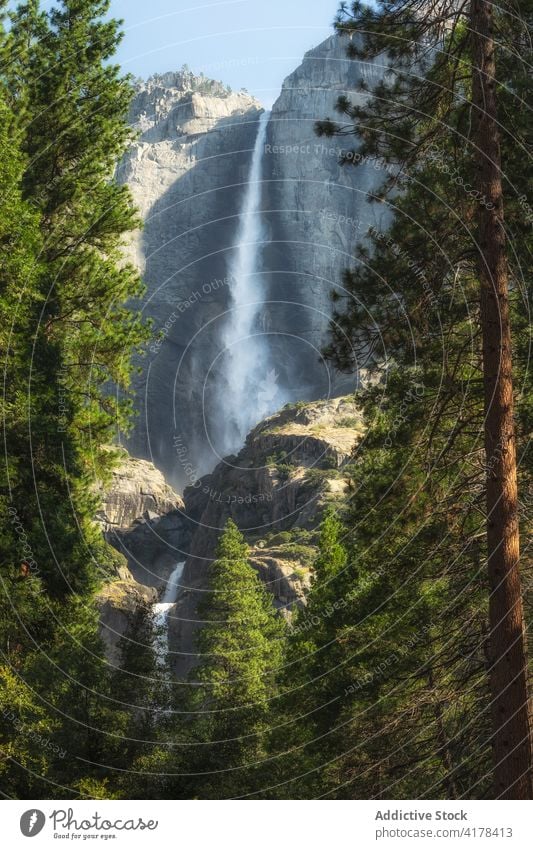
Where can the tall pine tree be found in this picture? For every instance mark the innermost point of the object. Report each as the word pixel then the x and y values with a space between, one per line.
pixel 73 102
pixel 241 647
pixel 440 96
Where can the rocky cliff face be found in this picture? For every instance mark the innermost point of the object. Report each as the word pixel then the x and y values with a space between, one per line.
pixel 138 493
pixel 315 211
pixel 188 171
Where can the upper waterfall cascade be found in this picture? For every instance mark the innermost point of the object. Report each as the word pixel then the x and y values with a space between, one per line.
pixel 249 389
pixel 248 219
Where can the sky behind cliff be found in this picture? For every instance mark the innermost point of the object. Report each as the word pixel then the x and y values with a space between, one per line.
pixel 245 43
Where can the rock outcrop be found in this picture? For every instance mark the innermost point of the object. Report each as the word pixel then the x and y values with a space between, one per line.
pixel 145 519
pixel 138 493
pixel 137 502
pixel 276 490
pixel 279 478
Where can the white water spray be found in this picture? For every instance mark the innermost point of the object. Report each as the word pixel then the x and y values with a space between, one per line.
pixel 161 612
pixel 249 390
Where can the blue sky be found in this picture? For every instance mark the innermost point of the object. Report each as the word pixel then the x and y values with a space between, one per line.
pixel 246 43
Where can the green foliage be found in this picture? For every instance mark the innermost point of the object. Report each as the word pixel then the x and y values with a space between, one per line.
pixel 74 336
pixel 297 551
pixel 65 338
pixel 281 538
pixel 408 680
pixel 297 535
pixel 278 460
pixel 348 421
pixel 241 647
pixel 296 405
pixel 318 477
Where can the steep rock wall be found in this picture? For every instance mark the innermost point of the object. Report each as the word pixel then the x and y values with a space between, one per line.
pixel 188 171
pixel 315 210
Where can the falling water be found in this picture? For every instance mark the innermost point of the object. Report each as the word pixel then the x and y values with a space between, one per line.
pixel 161 611
pixel 249 385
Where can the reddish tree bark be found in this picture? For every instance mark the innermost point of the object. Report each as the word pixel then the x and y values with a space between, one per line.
pixel 508 665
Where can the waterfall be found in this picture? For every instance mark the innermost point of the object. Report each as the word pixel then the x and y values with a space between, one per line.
pixel 249 388
pixel 161 611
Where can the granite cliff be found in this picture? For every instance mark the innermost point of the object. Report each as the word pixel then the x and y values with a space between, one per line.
pixel 315 210
pixel 188 171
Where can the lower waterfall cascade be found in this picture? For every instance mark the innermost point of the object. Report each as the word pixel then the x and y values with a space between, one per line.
pixel 161 611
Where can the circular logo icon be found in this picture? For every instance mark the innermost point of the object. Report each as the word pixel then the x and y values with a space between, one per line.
pixel 32 822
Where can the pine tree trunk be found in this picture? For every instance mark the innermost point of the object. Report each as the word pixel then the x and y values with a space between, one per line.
pixel 508 667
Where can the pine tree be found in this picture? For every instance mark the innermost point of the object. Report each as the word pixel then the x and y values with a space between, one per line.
pixel 66 335
pixel 311 678
pixel 73 106
pixel 140 689
pixel 24 613
pixel 313 649
pixel 440 98
pixel 241 650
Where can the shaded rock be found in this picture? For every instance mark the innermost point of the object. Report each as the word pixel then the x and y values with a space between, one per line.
pixel 136 508
pixel 138 492
pixel 153 548
pixel 276 490
pixel 117 603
